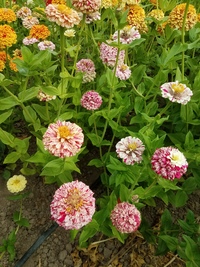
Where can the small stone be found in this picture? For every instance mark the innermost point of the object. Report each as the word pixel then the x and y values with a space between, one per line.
pixel 62 255
pixel 68 248
pixel 107 253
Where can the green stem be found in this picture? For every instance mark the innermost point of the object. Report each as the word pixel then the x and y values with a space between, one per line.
pixel 62 50
pixel 165 108
pixel 20 215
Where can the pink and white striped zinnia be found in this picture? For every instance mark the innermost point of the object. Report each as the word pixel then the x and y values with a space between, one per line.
pixel 126 217
pixel 169 163
pixel 87 67
pixel 130 150
pixel 108 55
pixel 87 6
pixel 91 100
pixel 63 139
pixel 73 205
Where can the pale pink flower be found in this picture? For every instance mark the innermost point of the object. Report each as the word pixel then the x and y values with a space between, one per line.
pixel 130 150
pixel 126 217
pixel 169 163
pixel 92 17
pixel 91 100
pixel 24 12
pixel 87 6
pixel 46 45
pixel 45 97
pixel 127 35
pixel 87 67
pixel 73 205
pixel 108 55
pixel 63 139
pixel 29 21
pixel 123 72
pixel 30 41
pixel 62 15
pixel 176 92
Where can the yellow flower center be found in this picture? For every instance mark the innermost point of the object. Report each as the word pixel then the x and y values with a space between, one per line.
pixel 132 146
pixel 64 131
pixel 64 9
pixel 178 88
pixel 175 157
pixel 16 182
pixel 74 200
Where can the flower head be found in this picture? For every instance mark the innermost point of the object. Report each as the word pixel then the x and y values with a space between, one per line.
pixel 16 184
pixel 124 3
pixel 109 3
pixel 3 56
pixel 91 100
pixel 46 45
pixel 8 37
pixel 29 40
pixel 70 33
pixel 127 35
pixel 130 149
pixel 90 17
pixel 176 17
pixel 62 15
pixel 87 6
pixel 108 55
pixel 123 72
pixel 29 21
pixel 126 217
pixel 136 17
pixel 45 97
pixel 169 163
pixel 157 14
pixel 63 139
pixel 73 205
pixel 2 65
pixel 87 67
pixel 7 15
pixel 176 92
pixel 24 12
pixel 39 32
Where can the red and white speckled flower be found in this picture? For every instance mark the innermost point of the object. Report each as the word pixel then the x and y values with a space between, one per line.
pixel 126 217
pixel 87 6
pixel 87 67
pixel 42 96
pixel 123 72
pixel 169 163
pixel 29 41
pixel 46 45
pixel 73 205
pixel 127 35
pixel 62 15
pixel 108 55
pixel 92 17
pixel 91 100
pixel 24 12
pixel 29 22
pixel 130 150
pixel 176 92
pixel 63 139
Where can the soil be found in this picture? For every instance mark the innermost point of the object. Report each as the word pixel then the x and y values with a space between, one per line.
pixel 59 251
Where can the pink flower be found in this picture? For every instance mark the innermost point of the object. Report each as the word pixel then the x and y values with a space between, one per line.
pixel 108 55
pixel 176 92
pixel 91 100
pixel 123 72
pixel 169 163
pixel 29 41
pixel 23 12
pixel 29 21
pixel 130 149
pixel 73 205
pixel 87 6
pixel 86 66
pixel 127 35
pixel 92 17
pixel 46 45
pixel 63 139
pixel 62 15
pixel 126 217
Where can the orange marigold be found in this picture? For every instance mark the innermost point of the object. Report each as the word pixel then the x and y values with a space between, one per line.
pixel 136 17
pixel 13 65
pixel 8 37
pixel 154 2
pixel 7 14
pixel 39 32
pixel 2 65
pixel 176 16
pixel 3 56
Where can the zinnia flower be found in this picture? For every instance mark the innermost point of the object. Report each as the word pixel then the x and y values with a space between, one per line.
pixel 124 3
pixel 86 66
pixel 3 56
pixel 108 55
pixel 92 17
pixel 2 65
pixel 46 45
pixel 157 14
pixel 176 17
pixel 29 21
pixel 7 15
pixel 13 65
pixel 136 17
pixel 123 72
pixel 73 205
pixel 63 139
pixel 91 100
pixel 169 163
pixel 127 35
pixel 29 40
pixel 62 15
pixel 109 3
pixel 70 33
pixel 39 32
pixel 8 37
pixel 24 12
pixel 45 97
pixel 16 184
pixel 176 92
pixel 130 149
pixel 126 217
pixel 87 6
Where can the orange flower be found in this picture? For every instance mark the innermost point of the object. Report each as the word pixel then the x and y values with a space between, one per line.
pixel 13 65
pixel 136 17
pixel 39 32
pixel 8 37
pixel 3 56
pixel 7 14
pixel 2 65
pixel 60 2
pixel 177 14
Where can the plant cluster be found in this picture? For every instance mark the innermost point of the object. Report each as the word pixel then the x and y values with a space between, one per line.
pixel 121 77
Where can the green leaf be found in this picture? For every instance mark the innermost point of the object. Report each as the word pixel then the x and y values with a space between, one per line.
pixel 192 250
pixel 168 185
pixel 28 94
pixel 8 102
pixel 96 162
pixel 5 115
pixel 7 138
pixel 180 199
pixel 88 231
pixel 12 158
pixel 96 140
pixel 53 168
pixel 171 242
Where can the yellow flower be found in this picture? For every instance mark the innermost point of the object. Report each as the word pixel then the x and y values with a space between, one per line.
pixel 136 17
pixel 2 65
pixel 16 183
pixel 60 2
pixel 13 65
pixel 39 32
pixel 7 14
pixel 198 17
pixel 157 14
pixel 8 36
pixel 177 14
pixel 154 2
pixel 109 3
pixel 70 33
pixel 3 56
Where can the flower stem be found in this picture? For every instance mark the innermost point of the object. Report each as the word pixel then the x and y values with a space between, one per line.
pixel 62 50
